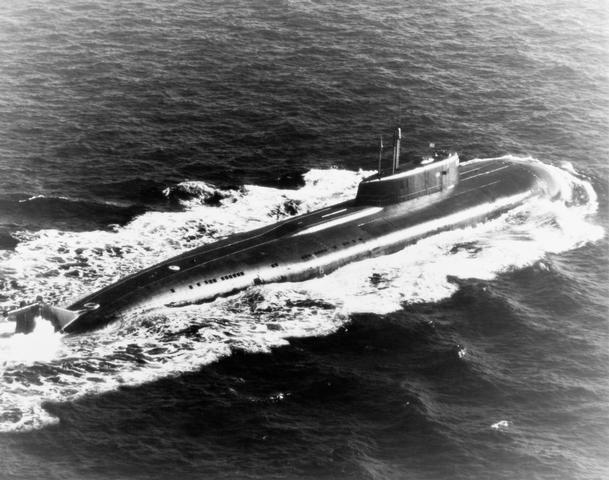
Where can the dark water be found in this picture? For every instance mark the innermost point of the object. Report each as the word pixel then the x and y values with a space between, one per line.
pixel 132 130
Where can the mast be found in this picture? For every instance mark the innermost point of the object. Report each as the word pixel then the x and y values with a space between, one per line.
pixel 397 138
pixel 397 149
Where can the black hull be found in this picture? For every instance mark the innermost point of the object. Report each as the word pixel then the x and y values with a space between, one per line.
pixel 317 243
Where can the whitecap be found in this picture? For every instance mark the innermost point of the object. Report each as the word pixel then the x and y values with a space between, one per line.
pixel 501 425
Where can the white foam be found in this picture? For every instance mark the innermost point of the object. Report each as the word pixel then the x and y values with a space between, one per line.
pixel 166 342
pixel 41 345
pixel 501 425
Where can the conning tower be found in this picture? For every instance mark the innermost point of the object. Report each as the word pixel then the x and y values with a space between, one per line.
pixel 411 181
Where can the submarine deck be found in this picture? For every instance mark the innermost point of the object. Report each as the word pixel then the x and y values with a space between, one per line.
pixel 313 234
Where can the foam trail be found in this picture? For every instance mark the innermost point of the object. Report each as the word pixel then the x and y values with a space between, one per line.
pixel 169 341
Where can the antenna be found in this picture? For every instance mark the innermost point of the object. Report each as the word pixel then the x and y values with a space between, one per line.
pixel 380 156
pixel 400 111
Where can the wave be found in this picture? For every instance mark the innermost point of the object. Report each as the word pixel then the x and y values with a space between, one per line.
pixel 168 341
pixel 41 211
pixel 198 192
pixel 7 241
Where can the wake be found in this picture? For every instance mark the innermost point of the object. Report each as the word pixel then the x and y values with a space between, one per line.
pixel 169 341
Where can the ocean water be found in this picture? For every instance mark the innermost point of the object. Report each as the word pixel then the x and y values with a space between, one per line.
pixel 131 131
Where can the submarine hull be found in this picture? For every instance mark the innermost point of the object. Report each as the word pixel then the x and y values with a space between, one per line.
pixel 317 243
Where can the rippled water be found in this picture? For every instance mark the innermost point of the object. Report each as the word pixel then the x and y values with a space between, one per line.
pixel 132 131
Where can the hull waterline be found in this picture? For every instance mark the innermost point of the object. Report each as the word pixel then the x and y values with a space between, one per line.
pixel 317 243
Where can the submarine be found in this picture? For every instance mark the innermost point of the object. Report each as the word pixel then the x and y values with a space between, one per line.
pixel 393 208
